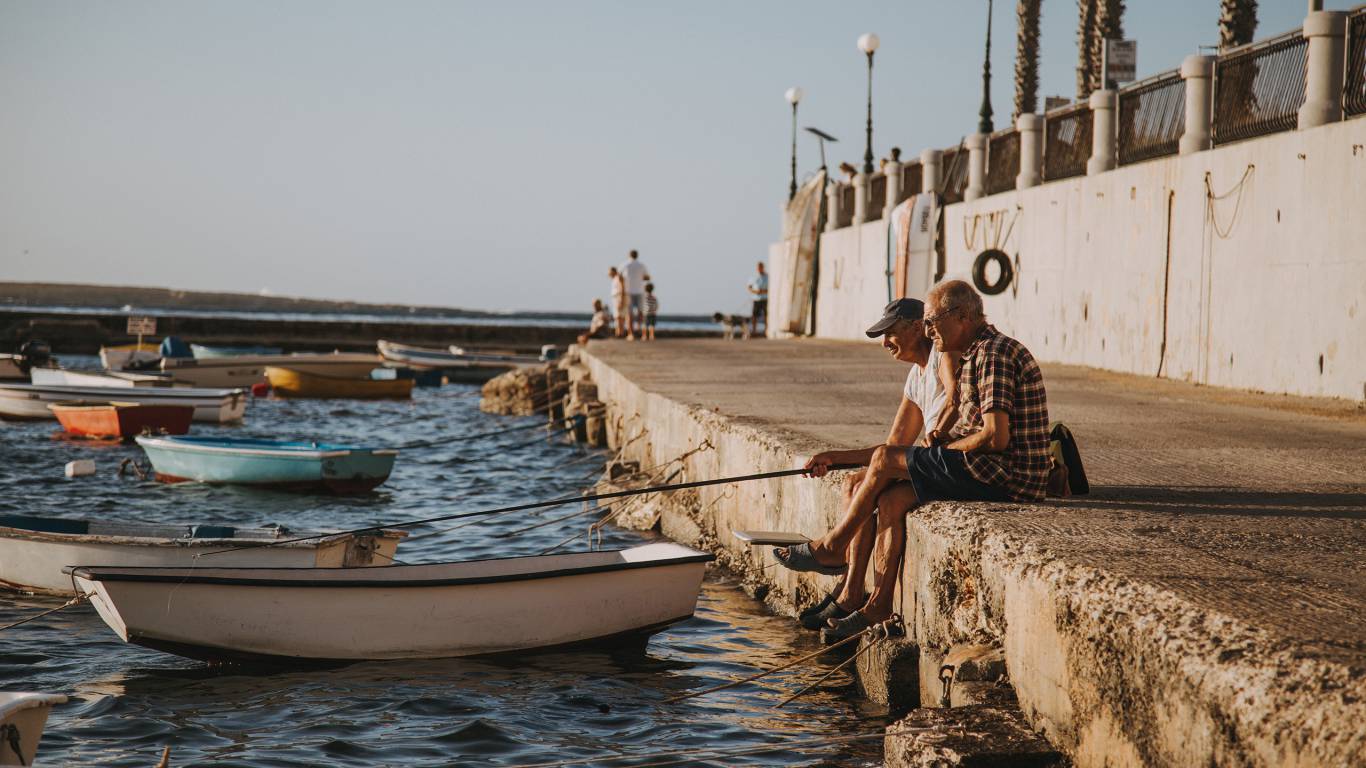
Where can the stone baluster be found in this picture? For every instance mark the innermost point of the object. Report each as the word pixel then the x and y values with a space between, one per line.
pixel 931 180
pixel 1102 132
pixel 1031 151
pixel 1326 32
pixel 893 173
pixel 977 166
pixel 861 181
pixel 832 205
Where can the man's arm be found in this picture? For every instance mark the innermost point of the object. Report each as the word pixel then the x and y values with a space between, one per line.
pixel 907 424
pixel 993 437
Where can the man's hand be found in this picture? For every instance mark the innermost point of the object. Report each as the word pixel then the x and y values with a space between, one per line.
pixel 819 464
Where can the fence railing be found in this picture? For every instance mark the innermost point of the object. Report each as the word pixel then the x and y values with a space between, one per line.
pixel 1152 118
pixel 954 166
pixel 1003 161
pixel 1259 88
pixel 1354 85
pixel 912 179
pixel 1067 142
pixel 877 195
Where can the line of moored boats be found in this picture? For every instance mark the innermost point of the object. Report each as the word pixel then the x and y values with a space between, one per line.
pixel 231 593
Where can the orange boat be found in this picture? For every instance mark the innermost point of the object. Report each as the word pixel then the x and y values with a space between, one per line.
pixel 121 420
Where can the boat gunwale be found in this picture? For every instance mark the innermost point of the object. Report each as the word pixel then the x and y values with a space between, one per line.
pixel 318 539
pixel 180 576
pixel 279 453
pixel 181 393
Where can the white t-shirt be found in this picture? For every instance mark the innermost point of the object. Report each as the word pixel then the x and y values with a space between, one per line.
pixel 923 389
pixel 635 273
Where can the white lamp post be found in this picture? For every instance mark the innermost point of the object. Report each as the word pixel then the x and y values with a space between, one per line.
pixel 793 95
pixel 868 44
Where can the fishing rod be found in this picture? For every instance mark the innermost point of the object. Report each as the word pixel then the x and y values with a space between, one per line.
pixel 541 504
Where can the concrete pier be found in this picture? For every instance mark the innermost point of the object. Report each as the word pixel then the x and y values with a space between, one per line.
pixel 1204 605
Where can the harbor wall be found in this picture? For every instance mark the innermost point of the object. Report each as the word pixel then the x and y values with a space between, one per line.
pixel 1239 266
pixel 1113 670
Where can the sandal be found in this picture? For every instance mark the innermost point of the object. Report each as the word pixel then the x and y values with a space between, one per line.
pixel 800 559
pixel 839 629
pixel 816 617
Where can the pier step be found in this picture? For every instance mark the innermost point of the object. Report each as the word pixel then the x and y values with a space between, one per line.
pixel 967 737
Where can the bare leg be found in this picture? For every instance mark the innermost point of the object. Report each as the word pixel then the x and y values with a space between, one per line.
pixel 893 505
pixel 852 593
pixel 887 466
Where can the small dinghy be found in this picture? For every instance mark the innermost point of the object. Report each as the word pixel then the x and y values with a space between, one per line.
pixel 30 401
pixel 22 718
pixel 269 463
pixel 288 382
pixel 246 370
pixel 478 607
pixel 458 363
pixel 33 550
pixel 120 420
pixel 118 357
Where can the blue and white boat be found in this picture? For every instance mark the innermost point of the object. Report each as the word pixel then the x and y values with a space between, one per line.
pixel 269 463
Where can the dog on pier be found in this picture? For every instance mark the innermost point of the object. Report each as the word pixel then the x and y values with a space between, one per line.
pixel 732 325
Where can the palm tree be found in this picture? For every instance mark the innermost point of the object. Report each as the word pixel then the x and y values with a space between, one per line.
pixel 1099 20
pixel 1237 23
pixel 1086 28
pixel 1027 57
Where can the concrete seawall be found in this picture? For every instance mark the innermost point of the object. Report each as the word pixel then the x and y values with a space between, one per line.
pixel 1205 605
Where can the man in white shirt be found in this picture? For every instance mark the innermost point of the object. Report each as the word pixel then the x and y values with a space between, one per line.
pixel 758 287
pixel 850 607
pixel 636 277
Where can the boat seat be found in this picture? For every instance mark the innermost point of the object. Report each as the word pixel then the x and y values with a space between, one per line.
pixel 212 532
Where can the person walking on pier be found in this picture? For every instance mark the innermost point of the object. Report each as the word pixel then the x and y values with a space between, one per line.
pixel 636 276
pixel 758 286
pixel 998 452
pixel 618 300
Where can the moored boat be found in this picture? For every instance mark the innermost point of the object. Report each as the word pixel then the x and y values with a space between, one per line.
pixel 120 356
pixel 287 382
pixel 458 363
pixel 245 370
pixel 202 351
pixel 23 715
pixel 63 377
pixel 471 608
pixel 30 401
pixel 116 419
pixel 269 463
pixel 33 550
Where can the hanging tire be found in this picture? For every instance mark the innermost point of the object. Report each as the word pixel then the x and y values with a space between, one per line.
pixel 979 271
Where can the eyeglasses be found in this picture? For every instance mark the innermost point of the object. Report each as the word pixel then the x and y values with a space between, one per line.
pixel 931 320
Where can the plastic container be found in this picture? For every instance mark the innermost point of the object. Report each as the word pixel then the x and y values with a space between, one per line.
pixel 80 468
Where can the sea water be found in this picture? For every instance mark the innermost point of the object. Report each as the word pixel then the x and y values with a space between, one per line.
pixel 128 702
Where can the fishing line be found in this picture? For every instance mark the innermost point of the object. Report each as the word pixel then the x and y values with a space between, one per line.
pixel 547 503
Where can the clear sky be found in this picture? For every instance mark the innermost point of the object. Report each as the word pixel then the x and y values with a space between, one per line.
pixel 490 155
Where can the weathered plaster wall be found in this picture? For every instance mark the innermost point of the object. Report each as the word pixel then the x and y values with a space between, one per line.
pixel 1262 288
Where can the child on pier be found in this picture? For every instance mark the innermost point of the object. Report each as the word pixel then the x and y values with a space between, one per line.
pixel 651 310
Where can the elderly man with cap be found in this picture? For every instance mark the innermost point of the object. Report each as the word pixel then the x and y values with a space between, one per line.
pixel 998 451
pixel 879 536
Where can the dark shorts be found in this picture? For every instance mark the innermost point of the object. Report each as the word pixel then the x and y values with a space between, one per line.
pixel 760 308
pixel 939 473
pixel 649 321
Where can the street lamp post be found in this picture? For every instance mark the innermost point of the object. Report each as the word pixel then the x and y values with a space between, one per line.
pixel 868 44
pixel 984 125
pixel 793 95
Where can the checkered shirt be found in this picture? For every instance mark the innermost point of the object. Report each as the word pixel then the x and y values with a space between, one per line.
pixel 999 374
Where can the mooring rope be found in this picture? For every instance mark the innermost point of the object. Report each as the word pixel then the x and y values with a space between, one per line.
pixel 539 505
pixel 766 673
pixel 79 598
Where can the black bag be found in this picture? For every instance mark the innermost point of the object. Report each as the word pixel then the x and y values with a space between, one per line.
pixel 1063 448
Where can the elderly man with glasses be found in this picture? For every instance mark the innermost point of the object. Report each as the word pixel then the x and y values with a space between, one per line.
pixel 997 452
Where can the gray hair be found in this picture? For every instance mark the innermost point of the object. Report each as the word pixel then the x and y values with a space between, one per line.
pixel 956 294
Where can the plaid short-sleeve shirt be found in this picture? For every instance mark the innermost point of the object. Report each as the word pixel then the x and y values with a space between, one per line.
pixel 999 374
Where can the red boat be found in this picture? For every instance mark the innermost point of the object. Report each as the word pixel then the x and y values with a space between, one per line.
pixel 122 420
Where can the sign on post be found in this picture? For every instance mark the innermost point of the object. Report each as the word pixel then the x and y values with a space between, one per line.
pixel 142 326
pixel 1121 61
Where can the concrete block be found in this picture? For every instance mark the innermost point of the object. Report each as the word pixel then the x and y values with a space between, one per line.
pixel 595 428
pixel 583 390
pixel 972 663
pixel 931 688
pixel 889 674
pixel 967 737
pixel 972 693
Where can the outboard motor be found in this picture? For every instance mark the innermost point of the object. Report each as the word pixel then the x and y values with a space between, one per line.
pixel 34 354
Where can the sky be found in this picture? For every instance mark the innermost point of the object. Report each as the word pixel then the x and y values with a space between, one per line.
pixel 490 155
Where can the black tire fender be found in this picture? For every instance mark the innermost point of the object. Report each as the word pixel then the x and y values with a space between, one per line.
pixel 979 271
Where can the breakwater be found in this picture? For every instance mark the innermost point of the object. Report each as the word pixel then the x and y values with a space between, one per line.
pixel 1200 607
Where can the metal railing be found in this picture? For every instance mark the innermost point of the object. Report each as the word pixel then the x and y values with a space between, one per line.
pixel 1152 117
pixel 1067 142
pixel 1003 161
pixel 877 195
pixel 1354 85
pixel 954 166
pixel 846 216
pixel 912 179
pixel 1259 88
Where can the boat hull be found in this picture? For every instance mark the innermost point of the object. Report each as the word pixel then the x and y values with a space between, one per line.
pixel 119 357
pixel 31 560
pixel 287 382
pixel 348 470
pixel 234 614
pixel 246 370
pixel 26 714
pixel 122 420
pixel 31 401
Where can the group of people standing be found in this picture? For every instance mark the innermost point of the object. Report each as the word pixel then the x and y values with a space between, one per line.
pixel 634 307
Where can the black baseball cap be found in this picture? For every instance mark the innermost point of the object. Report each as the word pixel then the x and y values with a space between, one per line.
pixel 901 309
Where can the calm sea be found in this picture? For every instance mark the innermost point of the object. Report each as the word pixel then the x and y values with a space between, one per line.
pixel 128 702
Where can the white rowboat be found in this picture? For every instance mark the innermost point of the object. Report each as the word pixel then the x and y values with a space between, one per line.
pixel 30 401
pixel 33 550
pixel 246 370
pixel 62 377
pixel 470 608
pixel 22 718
